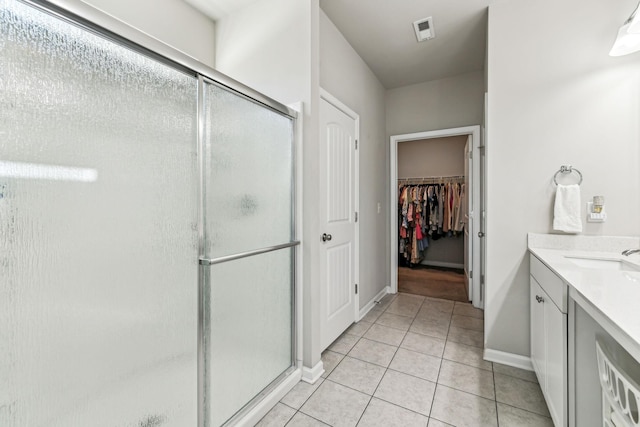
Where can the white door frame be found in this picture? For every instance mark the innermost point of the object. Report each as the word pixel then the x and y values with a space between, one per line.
pixel 474 131
pixel 349 112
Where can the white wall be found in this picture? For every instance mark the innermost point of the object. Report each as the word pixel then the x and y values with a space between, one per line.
pixel 432 157
pixel 346 76
pixel 267 46
pixel 272 46
pixel 438 104
pixel 173 22
pixel 555 98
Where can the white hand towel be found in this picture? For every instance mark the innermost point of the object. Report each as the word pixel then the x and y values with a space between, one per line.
pixel 566 213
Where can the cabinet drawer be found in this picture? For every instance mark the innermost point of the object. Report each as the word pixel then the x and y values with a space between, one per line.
pixel 552 284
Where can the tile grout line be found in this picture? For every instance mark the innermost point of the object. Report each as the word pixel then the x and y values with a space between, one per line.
pixel 412 376
pixel 469 392
pixel 365 361
pixel 349 387
pixel 383 375
pixel 513 376
pixel 496 393
pixel 306 415
pixel 303 403
pixel 382 342
pixel 524 410
pixel 468 329
pixel 400 406
pixel 306 400
pixel 440 368
pixel 466 392
pixel 413 319
pixel 433 398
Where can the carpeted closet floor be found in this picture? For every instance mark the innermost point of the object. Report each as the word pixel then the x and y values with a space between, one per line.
pixel 431 282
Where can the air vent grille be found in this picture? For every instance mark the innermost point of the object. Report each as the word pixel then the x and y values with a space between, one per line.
pixel 423 26
pixel 424 29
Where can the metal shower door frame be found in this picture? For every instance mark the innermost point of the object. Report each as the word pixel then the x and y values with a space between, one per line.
pixel 204 276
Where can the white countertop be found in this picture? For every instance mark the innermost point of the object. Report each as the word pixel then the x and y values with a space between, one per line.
pixel 612 297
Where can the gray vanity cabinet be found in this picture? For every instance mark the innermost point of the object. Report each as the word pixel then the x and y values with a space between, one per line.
pixel 548 305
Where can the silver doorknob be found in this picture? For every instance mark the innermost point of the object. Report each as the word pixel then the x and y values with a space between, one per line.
pixel 480 234
pixel 539 298
pixel 326 237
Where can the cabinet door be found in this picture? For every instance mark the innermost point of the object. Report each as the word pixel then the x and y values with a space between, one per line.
pixel 556 362
pixel 538 331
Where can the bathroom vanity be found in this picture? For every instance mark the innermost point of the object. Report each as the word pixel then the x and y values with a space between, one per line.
pixel 583 291
pixel 548 305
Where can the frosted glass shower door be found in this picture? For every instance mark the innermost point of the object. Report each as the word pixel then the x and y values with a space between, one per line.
pixel 98 230
pixel 249 250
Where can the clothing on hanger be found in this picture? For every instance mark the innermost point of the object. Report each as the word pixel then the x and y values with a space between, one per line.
pixel 428 211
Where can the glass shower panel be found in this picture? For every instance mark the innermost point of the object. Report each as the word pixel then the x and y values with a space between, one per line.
pixel 248 155
pixel 248 207
pixel 248 318
pixel 98 212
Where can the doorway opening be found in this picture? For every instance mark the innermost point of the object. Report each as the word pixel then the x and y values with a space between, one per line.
pixel 435 193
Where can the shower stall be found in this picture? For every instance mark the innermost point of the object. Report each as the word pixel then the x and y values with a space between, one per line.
pixel 147 229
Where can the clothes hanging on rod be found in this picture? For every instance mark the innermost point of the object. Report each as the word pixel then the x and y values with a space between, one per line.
pixel 428 208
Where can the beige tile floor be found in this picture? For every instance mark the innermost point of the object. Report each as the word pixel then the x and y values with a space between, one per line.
pixel 413 361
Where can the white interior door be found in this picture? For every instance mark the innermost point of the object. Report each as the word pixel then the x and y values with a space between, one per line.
pixel 476 234
pixel 468 225
pixel 337 220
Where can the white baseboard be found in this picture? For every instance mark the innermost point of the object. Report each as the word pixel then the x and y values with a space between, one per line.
pixel 372 303
pixel 509 359
pixel 443 264
pixel 262 408
pixel 311 375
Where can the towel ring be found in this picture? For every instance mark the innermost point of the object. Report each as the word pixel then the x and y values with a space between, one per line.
pixel 567 169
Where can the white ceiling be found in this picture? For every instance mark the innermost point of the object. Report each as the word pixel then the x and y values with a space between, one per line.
pixel 381 31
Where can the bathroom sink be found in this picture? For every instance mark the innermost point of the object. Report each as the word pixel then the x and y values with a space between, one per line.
pixel 603 263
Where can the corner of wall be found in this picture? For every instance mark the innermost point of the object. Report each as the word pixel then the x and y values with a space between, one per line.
pixel 372 303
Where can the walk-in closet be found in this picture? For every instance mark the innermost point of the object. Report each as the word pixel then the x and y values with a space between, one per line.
pixel 432 217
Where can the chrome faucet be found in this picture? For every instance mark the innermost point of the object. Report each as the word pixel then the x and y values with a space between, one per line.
pixel 630 251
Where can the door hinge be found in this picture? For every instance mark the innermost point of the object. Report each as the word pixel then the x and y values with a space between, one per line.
pixel 356 288
pixel 356 144
pixel 356 216
pixel 471 271
pixel 482 279
pixel 470 155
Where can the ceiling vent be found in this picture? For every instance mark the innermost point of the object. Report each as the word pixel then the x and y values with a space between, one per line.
pixel 424 29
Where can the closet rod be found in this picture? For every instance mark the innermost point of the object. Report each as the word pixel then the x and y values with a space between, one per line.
pixel 432 179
